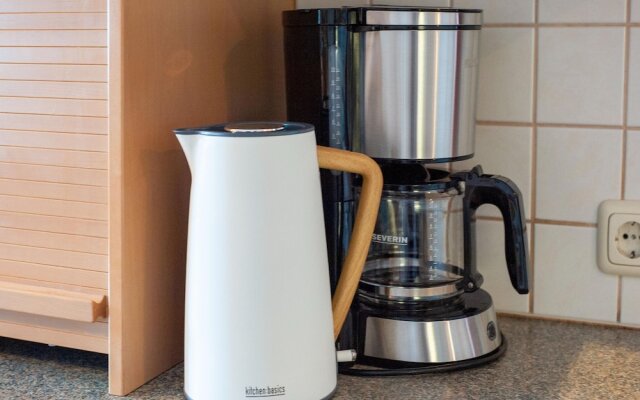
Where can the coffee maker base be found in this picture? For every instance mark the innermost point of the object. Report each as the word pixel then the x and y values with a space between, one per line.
pixel 417 339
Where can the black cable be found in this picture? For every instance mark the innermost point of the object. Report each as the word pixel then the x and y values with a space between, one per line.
pixel 429 369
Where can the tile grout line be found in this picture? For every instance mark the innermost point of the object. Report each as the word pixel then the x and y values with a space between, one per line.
pixel 625 116
pixel 575 224
pixel 541 221
pixel 534 153
pixel 625 98
pixel 578 126
pixel 553 125
pixel 619 301
pixel 504 123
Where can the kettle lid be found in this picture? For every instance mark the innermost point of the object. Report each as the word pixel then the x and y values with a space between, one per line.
pixel 248 129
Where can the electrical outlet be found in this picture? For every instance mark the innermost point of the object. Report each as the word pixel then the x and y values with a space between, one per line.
pixel 619 237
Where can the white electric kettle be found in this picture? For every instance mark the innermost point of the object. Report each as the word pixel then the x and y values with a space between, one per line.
pixel 258 304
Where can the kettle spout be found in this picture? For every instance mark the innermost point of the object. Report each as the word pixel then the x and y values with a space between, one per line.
pixel 189 145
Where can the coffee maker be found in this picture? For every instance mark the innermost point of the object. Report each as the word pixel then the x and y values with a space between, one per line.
pixel 399 84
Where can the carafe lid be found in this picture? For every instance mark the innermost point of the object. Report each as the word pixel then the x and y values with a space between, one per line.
pixel 415 177
pixel 248 129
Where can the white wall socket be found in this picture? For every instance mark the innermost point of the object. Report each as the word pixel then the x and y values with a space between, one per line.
pixel 619 237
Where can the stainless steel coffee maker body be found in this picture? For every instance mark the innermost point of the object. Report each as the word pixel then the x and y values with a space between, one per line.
pixel 412 81
pixel 399 84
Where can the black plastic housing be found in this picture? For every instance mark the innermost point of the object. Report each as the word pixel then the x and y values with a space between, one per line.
pixel 503 193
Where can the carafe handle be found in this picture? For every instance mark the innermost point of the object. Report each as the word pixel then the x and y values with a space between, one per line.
pixel 365 221
pixel 503 193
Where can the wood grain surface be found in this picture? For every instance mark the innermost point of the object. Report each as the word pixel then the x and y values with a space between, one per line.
pixel 53 172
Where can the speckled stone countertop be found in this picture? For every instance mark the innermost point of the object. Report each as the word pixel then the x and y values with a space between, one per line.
pixel 545 360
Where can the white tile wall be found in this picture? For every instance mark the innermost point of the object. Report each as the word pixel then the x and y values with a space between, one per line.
pixel 632 182
pixel 582 10
pixel 635 10
pixel 505 82
pixel 579 108
pixel 577 168
pixel 580 76
pixel 501 11
pixel 630 308
pixel 633 111
pixel 492 265
pixel 567 280
pixel 506 151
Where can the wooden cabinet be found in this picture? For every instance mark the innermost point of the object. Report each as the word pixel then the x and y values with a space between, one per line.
pixel 54 159
pixel 93 185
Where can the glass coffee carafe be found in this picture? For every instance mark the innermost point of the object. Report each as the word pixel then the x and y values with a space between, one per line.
pixel 423 246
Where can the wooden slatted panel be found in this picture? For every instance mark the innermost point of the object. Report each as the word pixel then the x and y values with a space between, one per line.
pixel 53 21
pixel 75 288
pixel 53 160
pixel 62 90
pixel 43 6
pixel 73 107
pixel 48 173
pixel 76 38
pixel 54 257
pixel 54 55
pixel 53 240
pixel 56 208
pixel 57 191
pixel 62 158
pixel 54 123
pixel 53 140
pixel 53 72
pixel 46 223
pixel 51 273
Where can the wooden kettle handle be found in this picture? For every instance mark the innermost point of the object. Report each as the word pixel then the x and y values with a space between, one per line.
pixel 366 216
